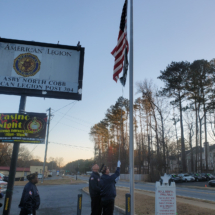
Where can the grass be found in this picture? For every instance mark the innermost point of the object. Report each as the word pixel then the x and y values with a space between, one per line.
pixel 145 203
pixel 60 181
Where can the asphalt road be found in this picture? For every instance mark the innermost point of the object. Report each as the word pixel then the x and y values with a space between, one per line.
pixel 55 200
pixel 181 189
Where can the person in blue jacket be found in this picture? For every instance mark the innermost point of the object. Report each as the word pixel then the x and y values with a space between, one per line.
pixel 108 189
pixel 30 200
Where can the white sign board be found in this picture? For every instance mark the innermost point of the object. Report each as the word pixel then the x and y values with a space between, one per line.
pixel 165 198
pixel 35 66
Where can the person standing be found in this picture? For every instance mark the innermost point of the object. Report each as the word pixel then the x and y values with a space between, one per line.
pixel 108 189
pixel 30 200
pixel 94 189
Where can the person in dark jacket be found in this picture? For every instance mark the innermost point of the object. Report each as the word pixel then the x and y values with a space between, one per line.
pixel 108 189
pixel 30 200
pixel 94 189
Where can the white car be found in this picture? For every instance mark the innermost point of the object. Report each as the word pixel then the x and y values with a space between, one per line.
pixel 1 177
pixel 40 176
pixel 186 177
pixel 3 186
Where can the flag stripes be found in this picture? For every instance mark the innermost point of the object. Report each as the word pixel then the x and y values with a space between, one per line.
pixel 122 45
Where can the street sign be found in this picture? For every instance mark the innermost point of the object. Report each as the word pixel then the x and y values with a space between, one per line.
pixel 165 197
pixel 24 128
pixel 41 69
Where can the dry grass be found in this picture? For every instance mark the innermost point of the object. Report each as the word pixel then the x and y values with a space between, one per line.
pixel 145 204
pixel 64 180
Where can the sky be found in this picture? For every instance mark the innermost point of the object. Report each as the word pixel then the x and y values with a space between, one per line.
pixel 164 31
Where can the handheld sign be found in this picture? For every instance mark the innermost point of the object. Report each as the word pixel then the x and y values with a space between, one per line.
pixel 165 197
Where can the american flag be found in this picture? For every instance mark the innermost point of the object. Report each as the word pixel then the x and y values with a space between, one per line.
pixel 121 48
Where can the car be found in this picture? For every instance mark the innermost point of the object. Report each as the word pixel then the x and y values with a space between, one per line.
pixel 197 176
pixel 186 177
pixel 203 177
pixel 3 186
pixel 40 176
pixel 5 178
pixel 211 183
pixel 1 176
pixel 209 176
pixel 175 178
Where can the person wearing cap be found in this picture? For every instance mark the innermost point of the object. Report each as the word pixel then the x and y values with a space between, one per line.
pixel 94 189
pixel 108 189
pixel 30 200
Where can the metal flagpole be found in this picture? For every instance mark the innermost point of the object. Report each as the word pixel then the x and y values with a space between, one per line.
pixel 131 138
pixel 47 140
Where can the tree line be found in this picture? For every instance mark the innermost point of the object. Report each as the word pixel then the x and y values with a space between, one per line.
pixel 26 158
pixel 169 121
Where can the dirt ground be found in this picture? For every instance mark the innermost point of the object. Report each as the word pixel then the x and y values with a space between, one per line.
pixel 145 203
pixel 52 182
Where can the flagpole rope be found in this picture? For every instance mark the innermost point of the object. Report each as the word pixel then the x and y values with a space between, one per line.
pixel 121 123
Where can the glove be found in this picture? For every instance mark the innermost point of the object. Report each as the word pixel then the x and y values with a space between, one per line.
pixel 118 163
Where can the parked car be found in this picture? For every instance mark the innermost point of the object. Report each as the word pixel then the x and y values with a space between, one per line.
pixel 186 177
pixel 209 176
pixel 5 178
pixel 1 176
pixel 211 183
pixel 204 178
pixel 198 177
pixel 175 178
pixel 19 179
pixel 40 176
pixel 49 174
pixel 3 186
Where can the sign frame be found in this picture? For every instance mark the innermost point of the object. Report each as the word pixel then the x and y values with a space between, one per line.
pixel 47 94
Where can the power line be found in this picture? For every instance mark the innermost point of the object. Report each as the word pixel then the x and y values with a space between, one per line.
pixel 64 106
pixel 74 146
pixel 71 126
pixel 78 122
pixel 87 122
pixel 63 117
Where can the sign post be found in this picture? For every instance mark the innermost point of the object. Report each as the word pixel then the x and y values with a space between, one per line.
pixel 165 197
pixel 11 178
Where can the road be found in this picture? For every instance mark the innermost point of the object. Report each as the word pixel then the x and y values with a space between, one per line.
pixel 55 200
pixel 180 191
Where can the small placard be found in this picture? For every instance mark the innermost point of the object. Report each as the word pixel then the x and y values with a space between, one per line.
pixel 165 198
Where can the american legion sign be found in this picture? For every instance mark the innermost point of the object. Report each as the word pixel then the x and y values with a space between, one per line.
pixel 41 69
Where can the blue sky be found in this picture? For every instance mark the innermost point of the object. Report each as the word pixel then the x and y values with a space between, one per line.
pixel 164 31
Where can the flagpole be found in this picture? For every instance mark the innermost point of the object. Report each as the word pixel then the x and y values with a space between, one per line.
pixel 131 138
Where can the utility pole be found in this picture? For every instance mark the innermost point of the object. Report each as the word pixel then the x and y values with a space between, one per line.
pixel 47 139
pixel 9 191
